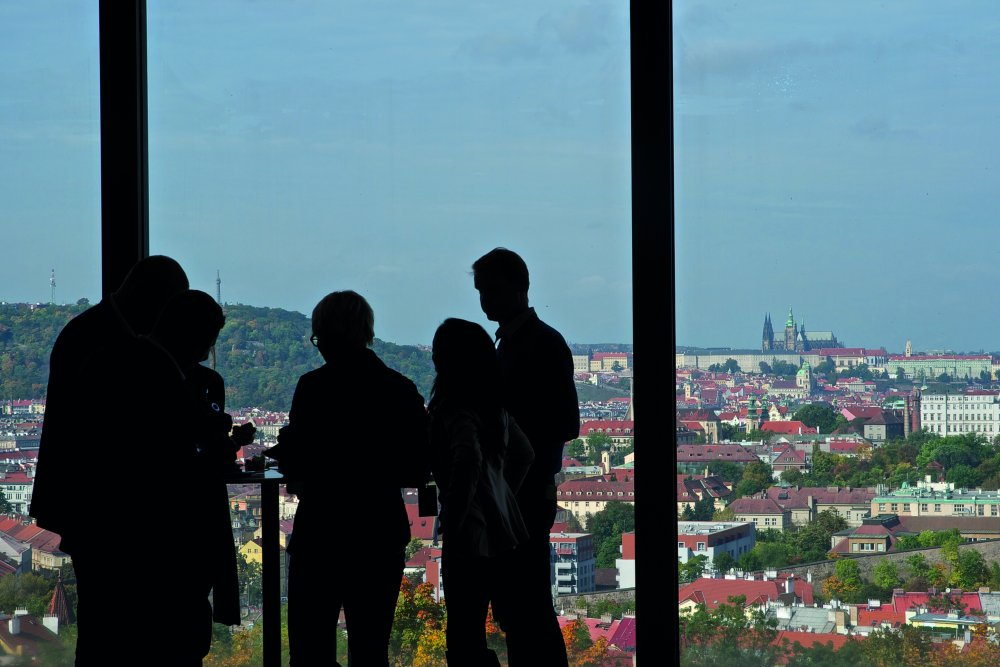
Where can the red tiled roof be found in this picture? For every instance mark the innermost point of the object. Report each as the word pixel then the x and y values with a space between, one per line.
pixel 787 428
pixel 714 592
pixel 421 527
pixel 755 506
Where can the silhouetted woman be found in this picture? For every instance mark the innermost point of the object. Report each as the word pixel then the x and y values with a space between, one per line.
pixel 357 434
pixel 480 458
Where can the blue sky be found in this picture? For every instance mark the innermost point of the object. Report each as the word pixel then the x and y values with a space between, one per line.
pixel 303 147
pixel 843 159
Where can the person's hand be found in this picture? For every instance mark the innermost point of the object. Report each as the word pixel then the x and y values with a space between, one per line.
pixel 243 434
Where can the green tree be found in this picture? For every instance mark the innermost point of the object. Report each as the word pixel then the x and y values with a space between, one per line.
pixel 607 526
pixel 728 636
pixel 971 570
pixel 723 561
pixel 576 449
pixel 819 415
pixel 885 575
pixel 691 570
pixel 704 507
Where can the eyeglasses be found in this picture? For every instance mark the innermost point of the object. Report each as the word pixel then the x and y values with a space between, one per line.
pixel 314 340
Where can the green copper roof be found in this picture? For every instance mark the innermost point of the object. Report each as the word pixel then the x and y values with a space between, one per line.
pixel 791 320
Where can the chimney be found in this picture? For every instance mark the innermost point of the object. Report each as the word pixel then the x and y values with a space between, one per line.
pixel 790 584
pixel 14 625
pixel 809 576
pixel 52 623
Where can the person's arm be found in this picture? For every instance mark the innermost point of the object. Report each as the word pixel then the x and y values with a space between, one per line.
pixel 519 455
pixel 465 465
pixel 410 435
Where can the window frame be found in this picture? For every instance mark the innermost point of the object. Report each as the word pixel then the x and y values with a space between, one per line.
pixel 125 209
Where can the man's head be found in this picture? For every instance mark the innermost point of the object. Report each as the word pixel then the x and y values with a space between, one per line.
pixel 342 320
pixel 501 277
pixel 150 283
pixel 188 326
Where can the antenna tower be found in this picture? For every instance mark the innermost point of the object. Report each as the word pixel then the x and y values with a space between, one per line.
pixel 218 287
pixel 52 286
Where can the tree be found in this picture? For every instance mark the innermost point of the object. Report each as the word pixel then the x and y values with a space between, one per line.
pixel 581 650
pixel 607 526
pixel 728 636
pixel 971 570
pixel 885 574
pixel 846 583
pixel 597 443
pixel 723 561
pixel 765 368
pixel 5 506
pixel 417 613
pixel 576 449
pixel 414 545
pixel 691 570
pixel 704 507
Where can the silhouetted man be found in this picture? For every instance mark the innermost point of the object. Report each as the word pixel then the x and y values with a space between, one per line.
pixel 62 494
pixel 539 391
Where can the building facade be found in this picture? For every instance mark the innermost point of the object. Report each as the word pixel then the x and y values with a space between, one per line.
pixel 976 411
pixel 574 562
pixel 710 538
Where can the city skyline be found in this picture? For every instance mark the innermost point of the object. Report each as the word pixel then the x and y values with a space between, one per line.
pixel 842 159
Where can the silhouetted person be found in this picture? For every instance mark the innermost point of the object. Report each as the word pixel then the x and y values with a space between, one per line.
pixel 188 328
pixel 472 435
pixel 69 449
pixel 536 366
pixel 357 434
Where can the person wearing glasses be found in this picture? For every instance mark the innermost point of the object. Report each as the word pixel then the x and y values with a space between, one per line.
pixel 356 436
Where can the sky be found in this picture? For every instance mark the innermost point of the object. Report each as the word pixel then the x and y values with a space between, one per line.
pixel 842 159
pixel 298 148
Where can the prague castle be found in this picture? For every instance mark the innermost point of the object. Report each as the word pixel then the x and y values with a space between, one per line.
pixel 795 338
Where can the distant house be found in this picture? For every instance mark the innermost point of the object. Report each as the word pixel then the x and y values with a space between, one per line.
pixel 692 488
pixel 590 495
pixel 758 590
pixel 791 427
pixel 763 513
pixel 693 458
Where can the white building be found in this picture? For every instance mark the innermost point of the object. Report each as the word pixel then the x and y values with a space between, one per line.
pixel 975 411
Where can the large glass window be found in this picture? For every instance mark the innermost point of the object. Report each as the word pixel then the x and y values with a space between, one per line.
pixel 300 148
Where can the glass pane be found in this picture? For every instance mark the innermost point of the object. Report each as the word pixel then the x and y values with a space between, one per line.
pixel 838 158
pixel 51 222
pixel 297 149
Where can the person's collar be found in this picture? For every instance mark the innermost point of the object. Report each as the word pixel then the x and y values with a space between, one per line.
pixel 510 328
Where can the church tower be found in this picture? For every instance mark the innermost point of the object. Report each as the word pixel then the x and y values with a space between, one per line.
pixel 790 331
pixel 767 340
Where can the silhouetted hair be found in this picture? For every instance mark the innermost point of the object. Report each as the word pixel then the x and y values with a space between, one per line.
pixel 345 317
pixel 146 289
pixel 468 373
pixel 189 323
pixel 503 263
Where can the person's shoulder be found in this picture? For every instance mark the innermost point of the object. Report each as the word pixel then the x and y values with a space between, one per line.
pixel 547 332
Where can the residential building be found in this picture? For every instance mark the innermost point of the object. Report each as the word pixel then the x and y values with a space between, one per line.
pixel 806 502
pixel 763 513
pixel 620 431
pixel 710 538
pixel 758 588
pixel 937 499
pixel 590 495
pixel 974 411
pixel 16 488
pixel 692 458
pixel 930 366
pixel 574 562
pixel 692 488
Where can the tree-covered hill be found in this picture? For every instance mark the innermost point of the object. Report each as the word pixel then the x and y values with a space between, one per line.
pixel 261 352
